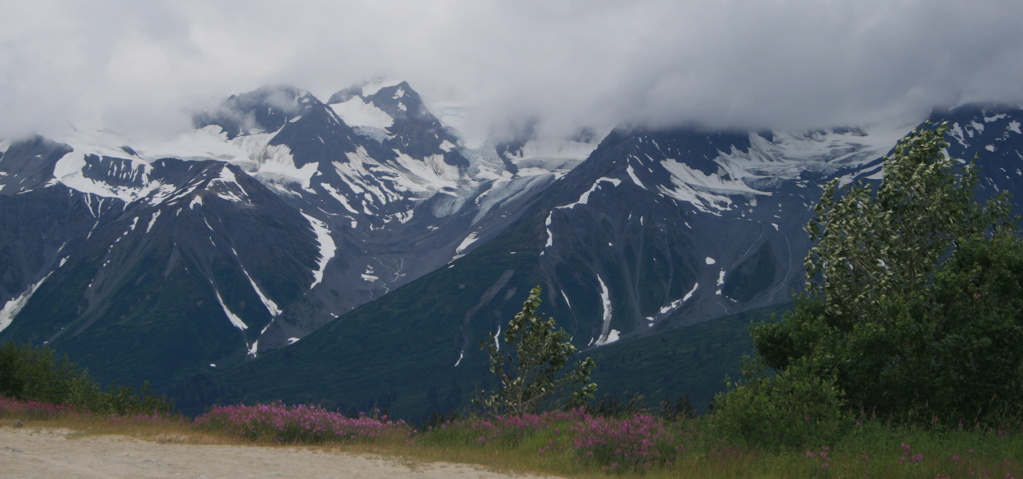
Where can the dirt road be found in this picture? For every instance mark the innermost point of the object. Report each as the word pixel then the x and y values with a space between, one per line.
pixel 52 453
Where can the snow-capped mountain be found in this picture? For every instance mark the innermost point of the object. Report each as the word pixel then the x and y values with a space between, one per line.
pixel 280 213
pixel 655 231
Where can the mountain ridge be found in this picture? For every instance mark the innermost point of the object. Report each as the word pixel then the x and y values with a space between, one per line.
pixel 276 231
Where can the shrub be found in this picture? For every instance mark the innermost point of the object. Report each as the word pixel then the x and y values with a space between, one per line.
pixel 791 409
pixel 637 442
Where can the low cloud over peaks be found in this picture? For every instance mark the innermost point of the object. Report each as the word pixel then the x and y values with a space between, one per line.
pixel 766 64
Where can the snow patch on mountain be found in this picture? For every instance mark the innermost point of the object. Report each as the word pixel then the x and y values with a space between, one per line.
pixel 468 241
pixel 368 276
pixel 607 335
pixel 254 349
pixel 235 320
pixel 270 305
pixel 227 187
pixel 635 179
pixel 690 293
pixel 567 302
pixel 342 199
pixel 585 197
pixel 356 112
pixel 550 236
pixel 612 336
pixel 14 306
pixel 327 247
pixel 666 310
pixel 669 308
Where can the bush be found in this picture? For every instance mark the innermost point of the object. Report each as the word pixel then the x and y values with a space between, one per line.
pixel 636 442
pixel 791 409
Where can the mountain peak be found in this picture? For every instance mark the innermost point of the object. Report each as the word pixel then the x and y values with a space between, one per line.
pixel 396 111
pixel 364 90
pixel 262 110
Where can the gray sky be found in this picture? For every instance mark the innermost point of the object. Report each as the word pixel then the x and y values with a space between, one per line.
pixel 136 66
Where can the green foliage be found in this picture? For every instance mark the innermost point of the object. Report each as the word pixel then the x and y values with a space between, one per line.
pixel 531 378
pixel 37 374
pixel 872 249
pixel 792 409
pixel 914 296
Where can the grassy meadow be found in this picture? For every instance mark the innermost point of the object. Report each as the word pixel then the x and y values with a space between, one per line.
pixel 567 443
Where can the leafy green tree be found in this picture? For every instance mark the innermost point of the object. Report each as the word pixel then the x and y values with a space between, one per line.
pixel 914 302
pixel 532 378
pixel 872 248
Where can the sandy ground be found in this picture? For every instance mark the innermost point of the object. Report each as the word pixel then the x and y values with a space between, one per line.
pixel 57 453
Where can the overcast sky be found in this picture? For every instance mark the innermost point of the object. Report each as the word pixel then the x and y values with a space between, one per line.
pixel 137 66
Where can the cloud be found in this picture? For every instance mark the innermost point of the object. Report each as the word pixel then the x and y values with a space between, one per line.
pixel 138 67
